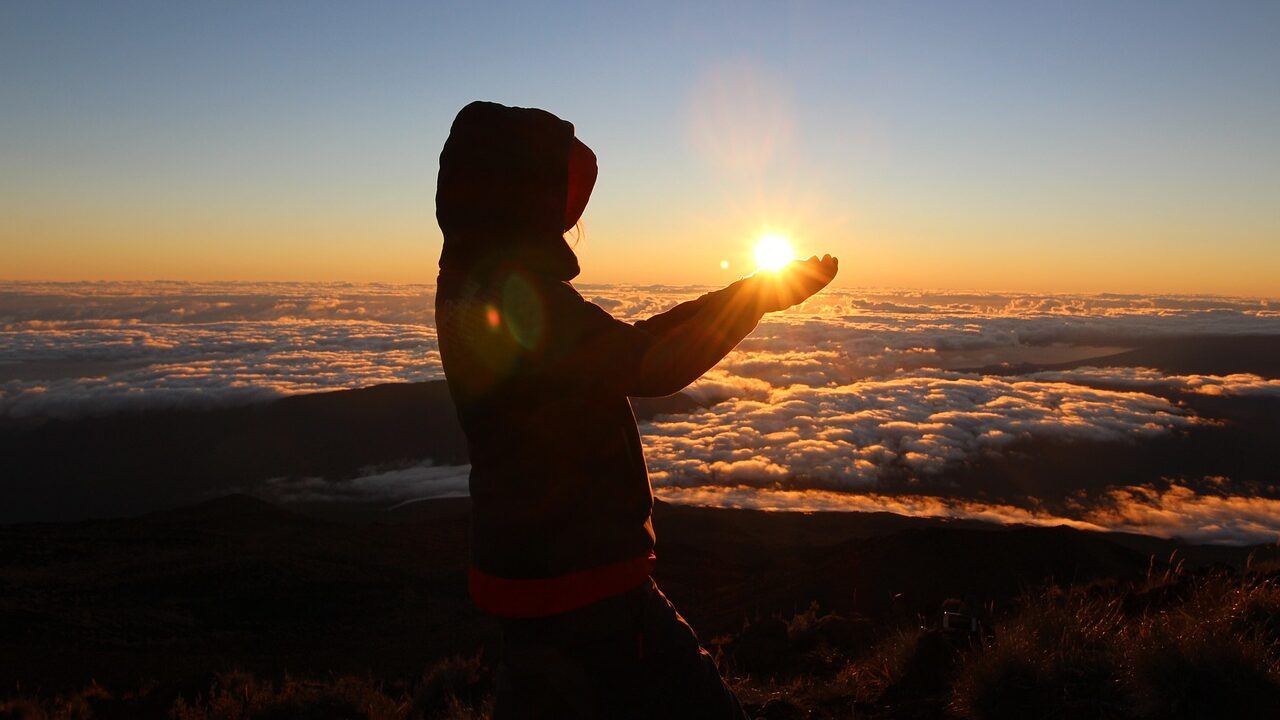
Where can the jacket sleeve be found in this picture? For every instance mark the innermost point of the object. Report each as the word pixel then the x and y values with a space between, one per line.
pixel 692 337
pixel 656 356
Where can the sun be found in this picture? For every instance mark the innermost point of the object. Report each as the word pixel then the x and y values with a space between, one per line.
pixel 773 251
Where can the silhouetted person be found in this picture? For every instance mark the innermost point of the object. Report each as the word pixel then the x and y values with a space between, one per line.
pixel 562 542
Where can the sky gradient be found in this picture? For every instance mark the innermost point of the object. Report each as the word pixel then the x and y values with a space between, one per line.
pixel 1078 147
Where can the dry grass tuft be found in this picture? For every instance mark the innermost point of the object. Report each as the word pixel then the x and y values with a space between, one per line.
pixel 458 688
pixel 241 696
pixel 1175 645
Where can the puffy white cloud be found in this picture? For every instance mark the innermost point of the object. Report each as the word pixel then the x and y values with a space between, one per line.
pixel 1178 511
pixel 93 348
pixel 850 436
pixel 718 385
pixel 205 364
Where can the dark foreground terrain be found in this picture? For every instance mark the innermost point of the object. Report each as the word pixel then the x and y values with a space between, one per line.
pixel 235 608
pixel 196 602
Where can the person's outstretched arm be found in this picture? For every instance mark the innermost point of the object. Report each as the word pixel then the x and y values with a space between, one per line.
pixel 692 337
pixel 589 350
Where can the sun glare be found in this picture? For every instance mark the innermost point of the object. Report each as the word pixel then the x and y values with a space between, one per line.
pixel 773 251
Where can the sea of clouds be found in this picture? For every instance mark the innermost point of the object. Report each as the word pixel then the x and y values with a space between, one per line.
pixel 818 409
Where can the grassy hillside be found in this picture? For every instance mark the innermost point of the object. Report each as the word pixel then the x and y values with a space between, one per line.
pixel 237 608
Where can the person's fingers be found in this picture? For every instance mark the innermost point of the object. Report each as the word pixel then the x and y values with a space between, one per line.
pixel 807 277
pixel 815 267
pixel 831 265
pixel 810 269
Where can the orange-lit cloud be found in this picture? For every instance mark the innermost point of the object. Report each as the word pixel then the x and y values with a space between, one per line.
pixel 1175 512
pixel 850 436
pixel 828 501
pixel 1235 384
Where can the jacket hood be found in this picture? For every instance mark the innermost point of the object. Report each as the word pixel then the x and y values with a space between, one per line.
pixel 502 191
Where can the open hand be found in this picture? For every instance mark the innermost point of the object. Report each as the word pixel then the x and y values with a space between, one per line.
pixel 794 283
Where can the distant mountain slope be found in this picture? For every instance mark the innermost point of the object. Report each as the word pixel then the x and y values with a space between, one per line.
pixel 130 462
pixel 234 511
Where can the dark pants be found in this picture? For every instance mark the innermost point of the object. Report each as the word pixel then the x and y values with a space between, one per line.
pixel 630 656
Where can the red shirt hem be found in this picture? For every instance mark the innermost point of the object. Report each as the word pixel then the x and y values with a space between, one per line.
pixel 541 597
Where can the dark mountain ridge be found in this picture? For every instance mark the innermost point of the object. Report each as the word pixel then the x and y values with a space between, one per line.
pixel 130 462
pixel 1187 355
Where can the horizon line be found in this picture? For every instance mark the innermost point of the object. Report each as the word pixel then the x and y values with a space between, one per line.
pixel 898 289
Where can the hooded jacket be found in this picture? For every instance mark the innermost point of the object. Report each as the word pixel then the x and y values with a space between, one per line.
pixel 540 377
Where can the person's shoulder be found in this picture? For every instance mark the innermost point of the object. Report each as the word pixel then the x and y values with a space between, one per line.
pixel 575 315
pixel 564 289
pixel 563 296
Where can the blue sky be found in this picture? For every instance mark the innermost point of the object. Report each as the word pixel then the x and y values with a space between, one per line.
pixel 1045 146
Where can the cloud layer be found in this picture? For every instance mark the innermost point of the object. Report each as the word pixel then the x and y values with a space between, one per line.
pixel 76 348
pixel 1234 385
pixel 857 400
pixel 1172 512
pixel 422 481
pixel 148 365
pixel 851 436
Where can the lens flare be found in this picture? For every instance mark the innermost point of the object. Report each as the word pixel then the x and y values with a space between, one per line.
pixel 773 251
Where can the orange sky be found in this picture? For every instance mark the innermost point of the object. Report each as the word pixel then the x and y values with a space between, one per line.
pixel 877 254
pixel 994 148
